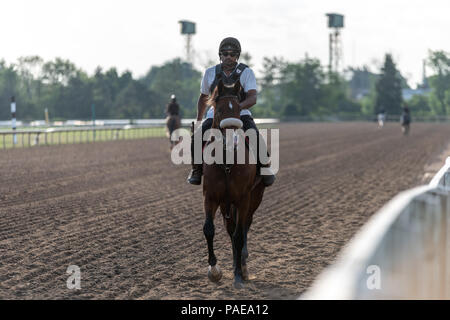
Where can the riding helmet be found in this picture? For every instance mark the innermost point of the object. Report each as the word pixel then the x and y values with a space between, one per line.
pixel 230 43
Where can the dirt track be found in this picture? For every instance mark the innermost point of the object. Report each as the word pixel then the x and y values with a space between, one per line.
pixel 124 214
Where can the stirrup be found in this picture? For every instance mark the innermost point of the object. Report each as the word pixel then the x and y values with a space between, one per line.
pixel 195 177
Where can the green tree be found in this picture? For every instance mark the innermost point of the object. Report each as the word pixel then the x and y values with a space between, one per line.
pixel 439 61
pixel 301 85
pixel 269 95
pixel 174 77
pixel 9 80
pixel 246 58
pixel 335 97
pixel 134 102
pixel 419 105
pixel 389 88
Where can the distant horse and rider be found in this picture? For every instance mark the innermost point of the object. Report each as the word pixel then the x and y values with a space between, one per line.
pixel 381 118
pixel 173 119
pixel 405 120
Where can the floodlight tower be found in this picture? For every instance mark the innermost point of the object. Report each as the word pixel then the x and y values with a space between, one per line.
pixel 188 29
pixel 336 23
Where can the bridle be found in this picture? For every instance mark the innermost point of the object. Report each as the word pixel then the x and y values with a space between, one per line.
pixel 230 96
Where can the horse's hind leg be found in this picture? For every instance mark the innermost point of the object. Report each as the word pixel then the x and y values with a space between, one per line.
pixel 231 226
pixel 238 239
pixel 214 273
pixel 256 198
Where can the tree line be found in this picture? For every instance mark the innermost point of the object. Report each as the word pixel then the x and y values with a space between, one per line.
pixel 70 93
pixel 287 89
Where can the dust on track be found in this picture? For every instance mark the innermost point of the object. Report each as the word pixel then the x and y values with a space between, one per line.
pixel 124 214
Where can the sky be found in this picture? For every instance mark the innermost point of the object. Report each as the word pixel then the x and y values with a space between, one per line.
pixel 136 34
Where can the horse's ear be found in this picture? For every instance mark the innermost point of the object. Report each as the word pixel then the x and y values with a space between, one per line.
pixel 212 97
pixel 220 87
pixel 237 87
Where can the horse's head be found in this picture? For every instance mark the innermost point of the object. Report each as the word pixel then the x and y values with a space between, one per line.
pixel 225 99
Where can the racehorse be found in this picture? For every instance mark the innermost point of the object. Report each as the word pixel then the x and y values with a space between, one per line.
pixel 405 122
pixel 235 188
pixel 173 122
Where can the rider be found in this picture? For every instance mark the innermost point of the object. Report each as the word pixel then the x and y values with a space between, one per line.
pixel 229 51
pixel 172 108
pixel 381 117
pixel 405 117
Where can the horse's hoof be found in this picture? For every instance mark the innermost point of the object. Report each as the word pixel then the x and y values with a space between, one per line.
pixel 244 273
pixel 238 283
pixel 214 273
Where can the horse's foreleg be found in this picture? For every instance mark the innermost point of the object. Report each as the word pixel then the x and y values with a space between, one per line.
pixel 244 258
pixel 245 275
pixel 214 273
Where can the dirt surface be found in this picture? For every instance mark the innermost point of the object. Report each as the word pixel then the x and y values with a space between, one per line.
pixel 124 214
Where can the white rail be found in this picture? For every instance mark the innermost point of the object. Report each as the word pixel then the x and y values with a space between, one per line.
pixel 112 122
pixel 402 252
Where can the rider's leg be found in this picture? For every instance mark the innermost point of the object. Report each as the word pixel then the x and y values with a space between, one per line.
pixel 195 176
pixel 249 123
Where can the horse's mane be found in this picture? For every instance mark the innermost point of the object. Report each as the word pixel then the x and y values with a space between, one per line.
pixel 212 97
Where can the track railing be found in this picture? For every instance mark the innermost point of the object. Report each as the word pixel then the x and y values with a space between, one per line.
pixel 83 132
pixel 51 136
pixel 402 252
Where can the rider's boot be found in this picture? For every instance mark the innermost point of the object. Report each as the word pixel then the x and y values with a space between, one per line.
pixel 269 177
pixel 195 177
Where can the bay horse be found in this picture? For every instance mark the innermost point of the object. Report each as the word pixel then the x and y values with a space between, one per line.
pixel 235 188
pixel 405 120
pixel 173 122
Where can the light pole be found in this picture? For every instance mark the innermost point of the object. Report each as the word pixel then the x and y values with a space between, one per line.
pixel 188 29
pixel 335 22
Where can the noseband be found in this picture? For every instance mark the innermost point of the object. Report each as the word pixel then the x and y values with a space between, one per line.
pixel 230 96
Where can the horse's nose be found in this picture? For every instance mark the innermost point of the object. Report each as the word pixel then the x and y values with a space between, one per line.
pixel 231 122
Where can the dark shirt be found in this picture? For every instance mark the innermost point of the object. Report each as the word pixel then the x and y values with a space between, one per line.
pixel 406 118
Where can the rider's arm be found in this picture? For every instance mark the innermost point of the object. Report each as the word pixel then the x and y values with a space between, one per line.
pixel 248 81
pixel 204 93
pixel 201 106
pixel 250 101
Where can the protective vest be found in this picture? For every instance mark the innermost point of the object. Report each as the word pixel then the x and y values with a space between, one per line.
pixel 232 78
